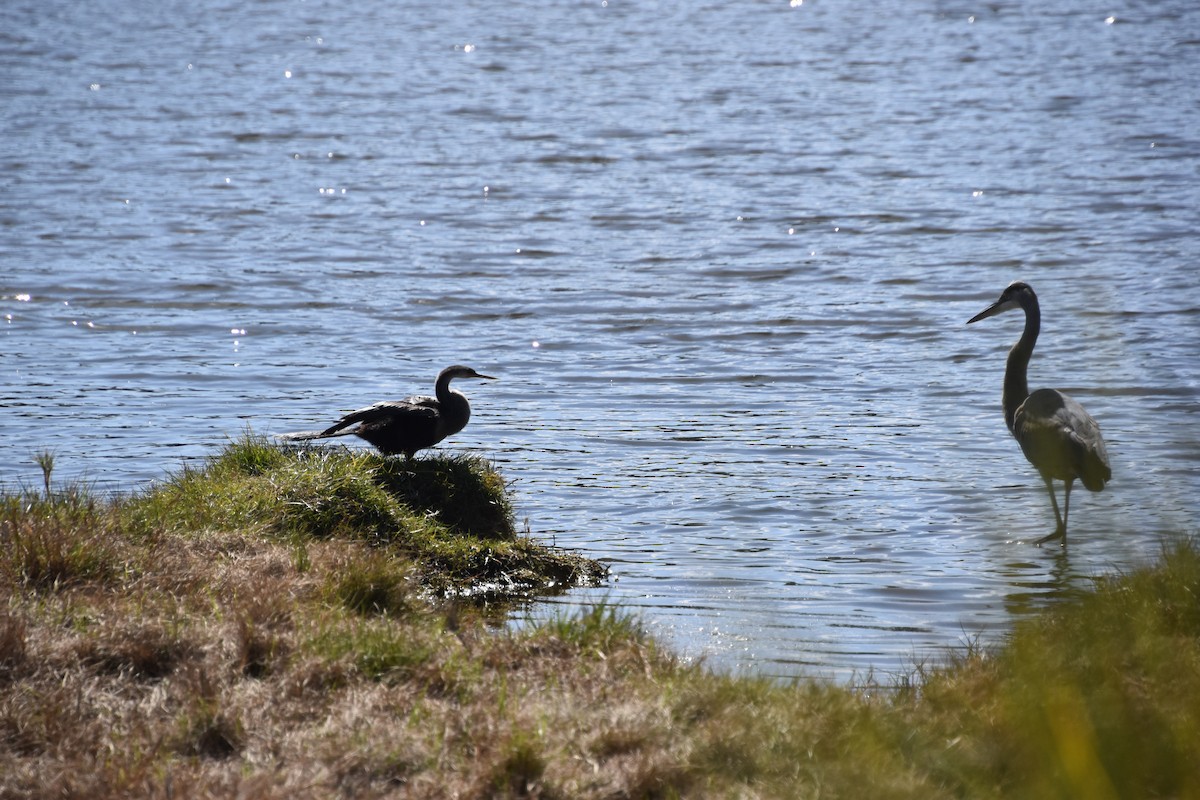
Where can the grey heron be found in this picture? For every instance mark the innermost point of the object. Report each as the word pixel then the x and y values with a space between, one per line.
pixel 1057 436
pixel 405 426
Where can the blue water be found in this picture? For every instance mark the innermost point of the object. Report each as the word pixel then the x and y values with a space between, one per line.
pixel 720 256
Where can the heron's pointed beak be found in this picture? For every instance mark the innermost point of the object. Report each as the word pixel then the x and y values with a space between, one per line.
pixel 990 311
pixel 485 377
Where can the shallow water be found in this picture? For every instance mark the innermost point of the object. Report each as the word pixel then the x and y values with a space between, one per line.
pixel 721 257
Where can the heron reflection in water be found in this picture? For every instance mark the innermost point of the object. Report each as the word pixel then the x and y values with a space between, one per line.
pixel 405 426
pixel 1059 438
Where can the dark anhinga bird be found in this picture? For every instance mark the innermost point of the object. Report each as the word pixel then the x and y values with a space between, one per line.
pixel 1058 437
pixel 406 426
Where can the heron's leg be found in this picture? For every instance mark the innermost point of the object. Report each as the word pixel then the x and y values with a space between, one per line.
pixel 1060 528
pixel 1067 505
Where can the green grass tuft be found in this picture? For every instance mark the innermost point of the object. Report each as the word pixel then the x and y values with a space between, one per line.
pixel 375 584
pixel 596 627
pixel 377 649
pixel 51 542
pixel 206 728
pixel 45 461
pixel 251 455
pixel 519 768
pixel 144 651
pixel 1107 696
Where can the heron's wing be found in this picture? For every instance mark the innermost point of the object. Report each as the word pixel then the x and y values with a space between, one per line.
pixel 1087 446
pixel 384 412
pixel 1061 439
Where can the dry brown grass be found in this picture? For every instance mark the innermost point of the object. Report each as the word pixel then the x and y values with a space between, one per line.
pixel 213 663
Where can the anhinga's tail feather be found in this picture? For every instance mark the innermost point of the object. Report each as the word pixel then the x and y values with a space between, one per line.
pixel 307 436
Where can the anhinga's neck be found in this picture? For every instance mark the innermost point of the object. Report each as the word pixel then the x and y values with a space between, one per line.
pixel 441 389
pixel 1016 382
pixel 453 409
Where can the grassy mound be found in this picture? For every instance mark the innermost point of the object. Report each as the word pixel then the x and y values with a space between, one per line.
pixel 450 515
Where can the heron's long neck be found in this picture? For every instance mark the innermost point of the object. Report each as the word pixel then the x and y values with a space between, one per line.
pixel 1016 382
